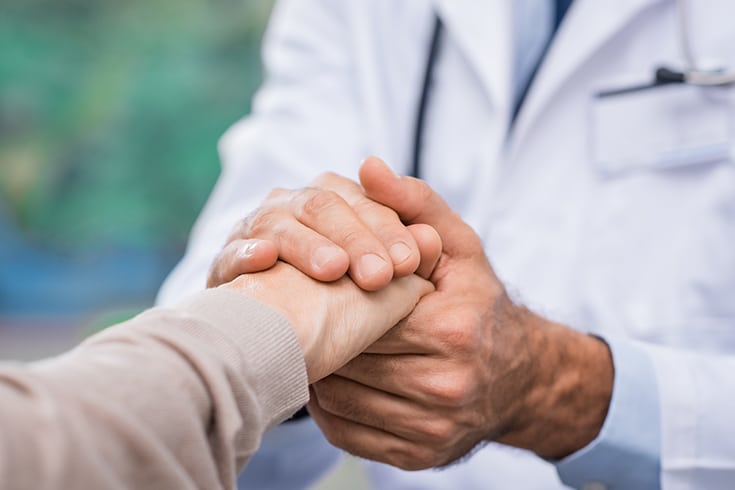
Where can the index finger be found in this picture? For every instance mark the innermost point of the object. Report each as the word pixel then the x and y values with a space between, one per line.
pixel 383 222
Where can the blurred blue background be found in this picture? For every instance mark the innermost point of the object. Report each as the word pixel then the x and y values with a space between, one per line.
pixel 109 117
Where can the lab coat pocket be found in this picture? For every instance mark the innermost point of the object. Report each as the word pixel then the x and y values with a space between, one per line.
pixel 660 127
pixel 657 256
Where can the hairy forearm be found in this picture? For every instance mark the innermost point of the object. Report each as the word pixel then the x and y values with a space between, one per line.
pixel 569 390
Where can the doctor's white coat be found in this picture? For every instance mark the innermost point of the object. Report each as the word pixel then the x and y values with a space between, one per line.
pixel 613 214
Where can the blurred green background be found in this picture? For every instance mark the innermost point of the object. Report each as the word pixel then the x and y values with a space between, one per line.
pixel 110 114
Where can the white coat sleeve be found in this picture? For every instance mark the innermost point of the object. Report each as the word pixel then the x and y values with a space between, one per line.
pixel 305 120
pixel 690 413
pixel 626 454
pixel 697 395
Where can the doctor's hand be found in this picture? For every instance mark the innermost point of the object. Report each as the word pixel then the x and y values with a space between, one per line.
pixel 333 321
pixel 325 230
pixel 468 365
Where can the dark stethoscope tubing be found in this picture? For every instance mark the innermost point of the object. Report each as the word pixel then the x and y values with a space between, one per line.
pixel 418 136
pixel 662 76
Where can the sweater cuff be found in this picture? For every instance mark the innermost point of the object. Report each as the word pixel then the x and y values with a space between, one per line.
pixel 267 344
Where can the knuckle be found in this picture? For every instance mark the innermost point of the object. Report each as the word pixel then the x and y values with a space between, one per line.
pixel 451 395
pixel 460 340
pixel 382 219
pixel 317 202
pixel 277 194
pixel 439 430
pixel 241 228
pixel 450 389
pixel 363 206
pixel 244 228
pixel 326 178
pixel 266 219
pixel 463 335
pixel 264 222
pixel 351 237
pixel 332 401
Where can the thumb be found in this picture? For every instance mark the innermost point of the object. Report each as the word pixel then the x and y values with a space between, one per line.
pixel 416 202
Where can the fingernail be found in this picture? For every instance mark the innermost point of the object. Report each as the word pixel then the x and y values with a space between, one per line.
pixel 324 255
pixel 399 252
pixel 371 264
pixel 247 250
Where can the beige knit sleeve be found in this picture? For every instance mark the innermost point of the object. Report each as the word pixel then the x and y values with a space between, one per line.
pixel 173 399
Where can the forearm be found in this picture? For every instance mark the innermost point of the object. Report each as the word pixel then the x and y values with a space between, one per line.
pixel 171 399
pixel 569 389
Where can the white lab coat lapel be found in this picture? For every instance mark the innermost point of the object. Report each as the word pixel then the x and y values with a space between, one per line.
pixel 482 31
pixel 587 26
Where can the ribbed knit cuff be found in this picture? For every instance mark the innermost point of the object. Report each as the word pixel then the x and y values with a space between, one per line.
pixel 266 340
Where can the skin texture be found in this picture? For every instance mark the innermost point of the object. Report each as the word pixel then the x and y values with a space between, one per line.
pixel 468 365
pixel 325 230
pixel 241 256
pixel 333 321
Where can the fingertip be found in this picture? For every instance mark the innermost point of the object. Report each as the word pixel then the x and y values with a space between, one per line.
pixel 425 288
pixel 373 170
pixel 407 196
pixel 373 161
pixel 254 255
pixel 372 272
pixel 329 263
pixel 405 257
pixel 430 247
pixel 427 238
pixel 258 248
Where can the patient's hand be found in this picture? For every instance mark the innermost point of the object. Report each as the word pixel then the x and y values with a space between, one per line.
pixel 335 321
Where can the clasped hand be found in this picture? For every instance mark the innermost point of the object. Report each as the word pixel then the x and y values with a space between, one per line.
pixel 462 368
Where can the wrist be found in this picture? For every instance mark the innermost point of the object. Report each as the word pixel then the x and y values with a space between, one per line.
pixel 258 287
pixel 571 382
